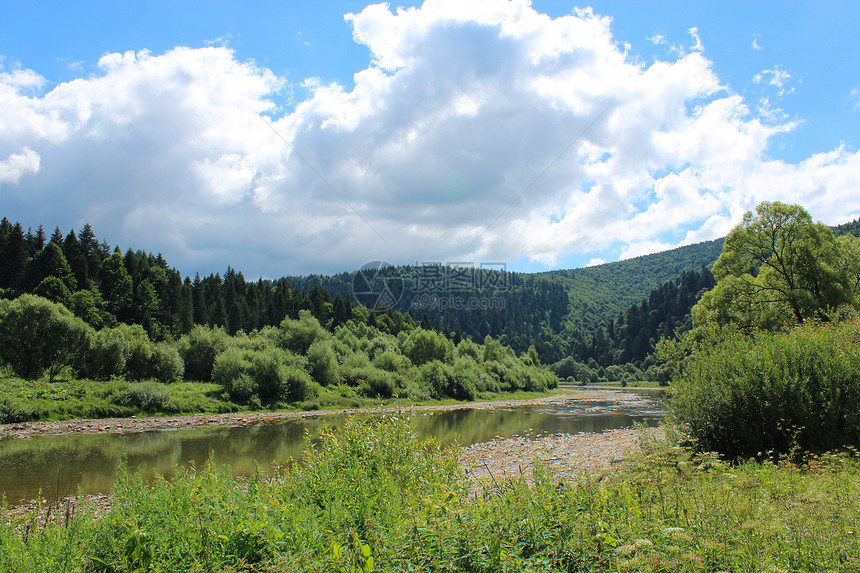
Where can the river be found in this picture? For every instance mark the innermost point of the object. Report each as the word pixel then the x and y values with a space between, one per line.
pixel 88 463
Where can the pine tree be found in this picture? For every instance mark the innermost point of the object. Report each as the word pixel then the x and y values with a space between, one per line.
pixel 13 258
pixel 76 258
pixel 117 288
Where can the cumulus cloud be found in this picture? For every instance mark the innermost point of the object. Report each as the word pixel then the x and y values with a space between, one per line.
pixel 19 164
pixel 480 132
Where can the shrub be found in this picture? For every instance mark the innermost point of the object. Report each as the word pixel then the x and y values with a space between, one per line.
pixel 13 411
pixel 423 346
pixel 437 376
pixel 199 348
pixel 298 335
pixel 297 384
pixel 379 384
pixel 107 354
pixel 38 335
pixel 166 365
pixel 143 396
pixel 782 393
pixel 464 380
pixel 391 361
pixel 139 357
pixel 322 362
pixel 267 370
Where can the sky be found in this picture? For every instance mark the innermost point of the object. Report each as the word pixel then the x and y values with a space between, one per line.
pixel 293 138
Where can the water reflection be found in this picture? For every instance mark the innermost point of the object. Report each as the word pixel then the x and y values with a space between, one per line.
pixel 87 463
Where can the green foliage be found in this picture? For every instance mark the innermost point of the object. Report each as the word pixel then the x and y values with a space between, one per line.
pixel 198 350
pixel 298 335
pixel 54 290
pixel 423 346
pixel 37 335
pixel 230 371
pixel 772 393
pixel 778 267
pixel 138 362
pixel 323 362
pixel 109 350
pixel 166 364
pixel 370 496
pixel 143 396
pixel 269 371
pixel 13 411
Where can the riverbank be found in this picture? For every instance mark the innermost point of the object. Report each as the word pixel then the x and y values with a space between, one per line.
pixel 188 421
pixel 375 497
pixel 563 454
pixel 488 464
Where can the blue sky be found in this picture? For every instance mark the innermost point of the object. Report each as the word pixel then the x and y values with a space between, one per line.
pixel 458 111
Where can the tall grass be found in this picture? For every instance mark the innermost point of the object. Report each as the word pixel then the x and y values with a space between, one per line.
pixel 372 497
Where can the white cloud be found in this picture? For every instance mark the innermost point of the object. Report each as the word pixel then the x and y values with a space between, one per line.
pixel 755 45
pixel 19 164
pixel 463 108
pixel 657 39
pixel 694 33
pixel 855 95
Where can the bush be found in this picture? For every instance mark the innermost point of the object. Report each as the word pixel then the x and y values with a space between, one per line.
pixel 298 335
pixel 423 346
pixel 107 354
pixel 379 384
pixel 437 375
pixel 38 335
pixel 297 384
pixel 12 411
pixel 322 362
pixel 199 348
pixel 267 370
pixel 139 358
pixel 167 365
pixel 391 361
pixel 143 396
pixel 772 393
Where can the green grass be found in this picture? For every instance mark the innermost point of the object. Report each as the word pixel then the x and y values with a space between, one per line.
pixel 26 400
pixel 372 497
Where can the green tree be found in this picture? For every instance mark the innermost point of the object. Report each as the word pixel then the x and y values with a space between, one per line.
pixel 49 262
pixel 778 267
pixel 38 335
pixel 117 287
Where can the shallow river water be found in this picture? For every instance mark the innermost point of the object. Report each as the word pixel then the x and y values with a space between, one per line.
pixel 87 463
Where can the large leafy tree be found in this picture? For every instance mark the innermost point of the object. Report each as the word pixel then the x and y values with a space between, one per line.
pixel 778 267
pixel 38 335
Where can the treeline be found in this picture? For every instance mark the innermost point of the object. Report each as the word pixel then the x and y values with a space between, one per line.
pixel 105 287
pixel 558 312
pixel 298 362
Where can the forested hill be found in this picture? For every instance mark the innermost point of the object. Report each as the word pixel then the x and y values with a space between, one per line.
pixel 557 311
